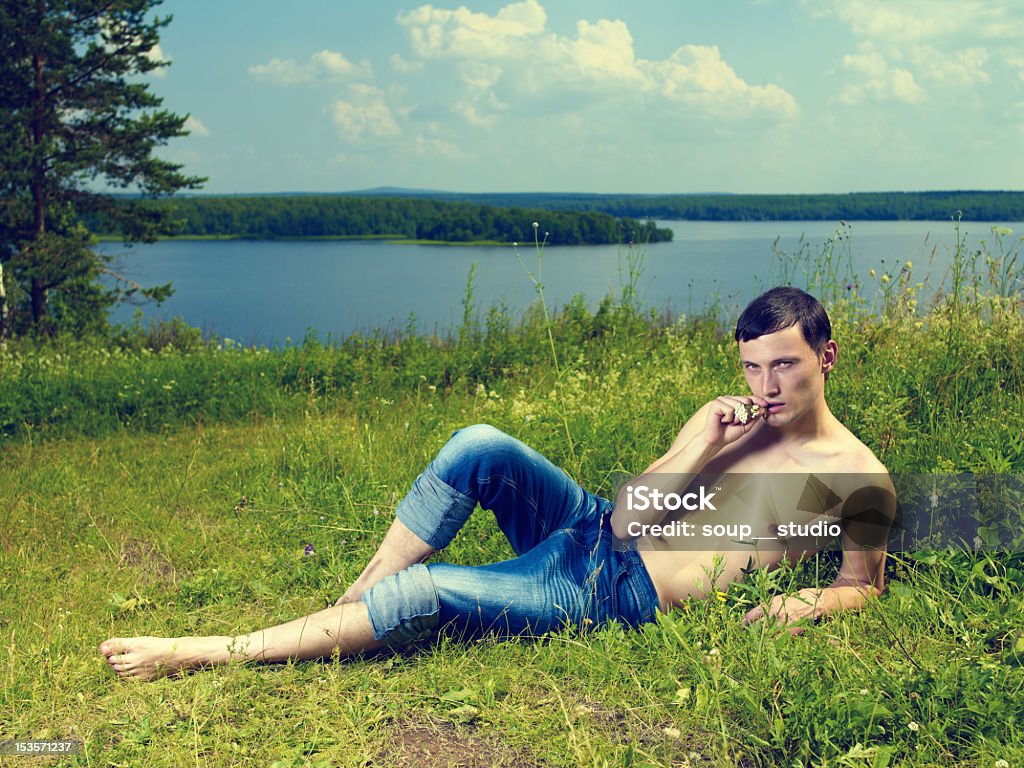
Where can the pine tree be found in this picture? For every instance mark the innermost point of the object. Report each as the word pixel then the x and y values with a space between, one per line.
pixel 77 126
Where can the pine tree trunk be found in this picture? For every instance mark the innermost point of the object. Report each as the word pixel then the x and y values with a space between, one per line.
pixel 38 294
pixel 38 290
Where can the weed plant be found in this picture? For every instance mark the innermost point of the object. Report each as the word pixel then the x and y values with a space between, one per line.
pixel 159 483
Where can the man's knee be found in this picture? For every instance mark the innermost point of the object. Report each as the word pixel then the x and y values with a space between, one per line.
pixel 476 446
pixel 403 607
pixel 477 438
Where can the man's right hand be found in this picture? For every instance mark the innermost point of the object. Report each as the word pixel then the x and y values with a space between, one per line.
pixel 722 425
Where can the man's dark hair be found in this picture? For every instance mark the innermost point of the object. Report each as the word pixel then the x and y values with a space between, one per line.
pixel 779 308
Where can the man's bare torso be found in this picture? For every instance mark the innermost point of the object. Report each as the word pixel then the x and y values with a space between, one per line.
pixel 777 471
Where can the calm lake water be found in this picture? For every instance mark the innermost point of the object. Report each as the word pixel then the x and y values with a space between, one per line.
pixel 272 292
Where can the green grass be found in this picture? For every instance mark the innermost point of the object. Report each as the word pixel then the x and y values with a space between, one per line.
pixel 164 485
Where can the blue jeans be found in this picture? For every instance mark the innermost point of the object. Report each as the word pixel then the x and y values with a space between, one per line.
pixel 567 570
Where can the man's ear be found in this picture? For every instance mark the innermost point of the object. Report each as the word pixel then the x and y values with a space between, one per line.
pixel 829 355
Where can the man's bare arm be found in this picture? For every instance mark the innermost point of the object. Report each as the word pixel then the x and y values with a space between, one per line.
pixel 868 515
pixel 714 426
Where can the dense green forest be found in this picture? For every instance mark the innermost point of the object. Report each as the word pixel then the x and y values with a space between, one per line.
pixel 302 216
pixel 565 219
pixel 862 206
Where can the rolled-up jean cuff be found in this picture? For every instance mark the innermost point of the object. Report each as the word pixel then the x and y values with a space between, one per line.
pixel 433 510
pixel 403 607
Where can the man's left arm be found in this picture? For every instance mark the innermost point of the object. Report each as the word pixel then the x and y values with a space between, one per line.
pixel 868 515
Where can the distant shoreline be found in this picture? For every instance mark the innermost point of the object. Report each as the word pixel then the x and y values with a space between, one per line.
pixel 389 239
pixel 566 219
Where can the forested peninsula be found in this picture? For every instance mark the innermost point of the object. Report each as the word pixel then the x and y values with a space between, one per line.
pixel 403 218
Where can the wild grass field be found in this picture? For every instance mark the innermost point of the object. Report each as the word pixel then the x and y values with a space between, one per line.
pixel 156 483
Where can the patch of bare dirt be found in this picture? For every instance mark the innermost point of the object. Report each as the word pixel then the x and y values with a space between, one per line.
pixel 143 555
pixel 435 744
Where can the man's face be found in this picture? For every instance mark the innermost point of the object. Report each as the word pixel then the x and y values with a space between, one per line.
pixel 782 368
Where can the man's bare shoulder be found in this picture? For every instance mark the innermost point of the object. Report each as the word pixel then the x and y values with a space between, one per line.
pixel 862 474
pixel 857 457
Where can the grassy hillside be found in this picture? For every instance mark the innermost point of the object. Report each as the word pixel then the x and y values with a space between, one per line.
pixel 160 484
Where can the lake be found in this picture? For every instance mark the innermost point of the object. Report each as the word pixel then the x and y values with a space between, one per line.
pixel 272 292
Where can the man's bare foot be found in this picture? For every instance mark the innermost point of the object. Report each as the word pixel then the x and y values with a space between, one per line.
pixel 147 658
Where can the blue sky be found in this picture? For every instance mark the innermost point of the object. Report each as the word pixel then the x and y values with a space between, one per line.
pixel 651 96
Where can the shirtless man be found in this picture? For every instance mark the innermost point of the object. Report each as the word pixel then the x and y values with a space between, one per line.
pixel 581 560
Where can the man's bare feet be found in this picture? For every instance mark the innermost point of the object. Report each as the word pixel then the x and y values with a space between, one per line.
pixel 147 658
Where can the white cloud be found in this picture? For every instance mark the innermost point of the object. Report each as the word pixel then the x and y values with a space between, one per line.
pixel 436 148
pixel 195 127
pixel 157 55
pixel 604 51
pixel 333 64
pixel 442 33
pixel 115 35
pixel 697 75
pixel 284 71
pixel 880 81
pixel 479 77
pixel 911 21
pixel 474 116
pixel 513 50
pixel 404 66
pixel 943 47
pixel 960 69
pixel 480 104
pixel 323 65
pixel 365 115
